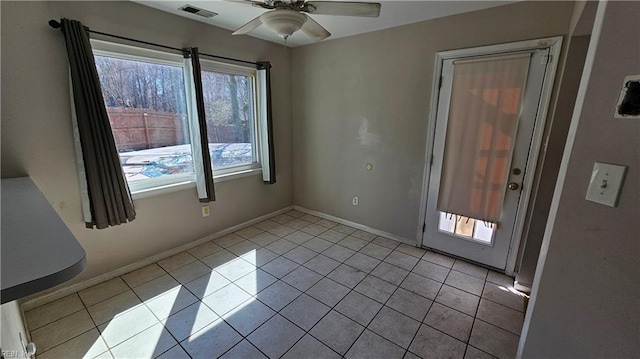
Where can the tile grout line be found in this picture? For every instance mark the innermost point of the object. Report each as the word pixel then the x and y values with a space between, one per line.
pixel 428 310
pixel 85 308
pixel 298 265
pixel 75 336
pixel 178 342
pixel 95 326
pixel 484 283
pixel 277 279
pixel 200 302
pixel 384 305
pixel 322 277
pixel 31 329
pixel 474 317
pixel 480 297
pixel 143 302
pixel 352 290
pixel 220 317
pixel 301 292
pixel 399 286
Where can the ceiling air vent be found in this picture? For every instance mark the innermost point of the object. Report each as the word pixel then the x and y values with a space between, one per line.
pixel 194 10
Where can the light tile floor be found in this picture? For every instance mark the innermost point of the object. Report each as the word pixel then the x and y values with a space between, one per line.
pixel 293 286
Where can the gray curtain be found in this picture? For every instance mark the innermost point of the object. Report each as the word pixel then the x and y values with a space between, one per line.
pixel 270 176
pixel 209 193
pixel 107 190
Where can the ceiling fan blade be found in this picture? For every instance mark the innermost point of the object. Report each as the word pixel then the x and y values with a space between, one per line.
pixel 259 4
pixel 343 8
pixel 248 27
pixel 314 30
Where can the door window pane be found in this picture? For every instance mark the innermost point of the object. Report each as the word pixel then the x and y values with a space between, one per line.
pixel 146 105
pixel 483 231
pixel 466 227
pixel 447 222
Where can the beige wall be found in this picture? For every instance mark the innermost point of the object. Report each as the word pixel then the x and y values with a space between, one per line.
pixel 584 301
pixel 365 99
pixel 549 160
pixel 567 82
pixel 37 137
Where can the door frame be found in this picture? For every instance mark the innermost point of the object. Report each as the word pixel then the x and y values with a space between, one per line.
pixel 554 44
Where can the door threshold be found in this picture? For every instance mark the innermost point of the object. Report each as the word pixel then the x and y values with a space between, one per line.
pixel 501 271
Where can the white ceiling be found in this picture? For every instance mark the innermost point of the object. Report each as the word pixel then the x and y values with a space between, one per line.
pixel 232 15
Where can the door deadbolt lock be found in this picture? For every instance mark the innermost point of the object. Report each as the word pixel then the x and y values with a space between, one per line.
pixel 513 186
pixel 516 171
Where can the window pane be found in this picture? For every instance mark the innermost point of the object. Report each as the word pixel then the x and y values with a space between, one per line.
pixel 229 109
pixel 447 222
pixel 484 231
pixel 464 226
pixel 147 109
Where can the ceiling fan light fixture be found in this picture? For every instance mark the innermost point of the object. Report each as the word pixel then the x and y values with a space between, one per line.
pixel 283 22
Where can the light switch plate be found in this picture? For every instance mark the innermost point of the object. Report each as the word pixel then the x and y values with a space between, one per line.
pixel 606 183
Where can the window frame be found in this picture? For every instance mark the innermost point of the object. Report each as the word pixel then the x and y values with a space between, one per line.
pixel 170 183
pixel 229 69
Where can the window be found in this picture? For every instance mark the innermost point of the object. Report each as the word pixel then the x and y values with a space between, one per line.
pixel 145 93
pixel 229 100
pixel 146 104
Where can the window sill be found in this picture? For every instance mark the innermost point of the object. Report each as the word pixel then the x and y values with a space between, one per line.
pixel 169 188
pixel 182 185
pixel 237 174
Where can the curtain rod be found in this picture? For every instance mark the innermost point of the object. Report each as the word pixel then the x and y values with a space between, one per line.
pixel 56 25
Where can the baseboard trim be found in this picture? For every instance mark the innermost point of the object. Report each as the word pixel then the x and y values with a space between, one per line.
pixel 522 287
pixel 68 290
pixel 357 225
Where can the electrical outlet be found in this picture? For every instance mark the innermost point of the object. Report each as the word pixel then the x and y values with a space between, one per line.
pixel 355 201
pixel 205 211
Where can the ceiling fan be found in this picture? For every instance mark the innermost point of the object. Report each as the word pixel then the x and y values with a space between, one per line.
pixel 288 16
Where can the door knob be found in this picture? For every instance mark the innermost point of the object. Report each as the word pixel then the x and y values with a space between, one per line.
pixel 513 186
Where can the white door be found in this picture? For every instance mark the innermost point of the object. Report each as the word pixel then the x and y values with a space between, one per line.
pixel 487 110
